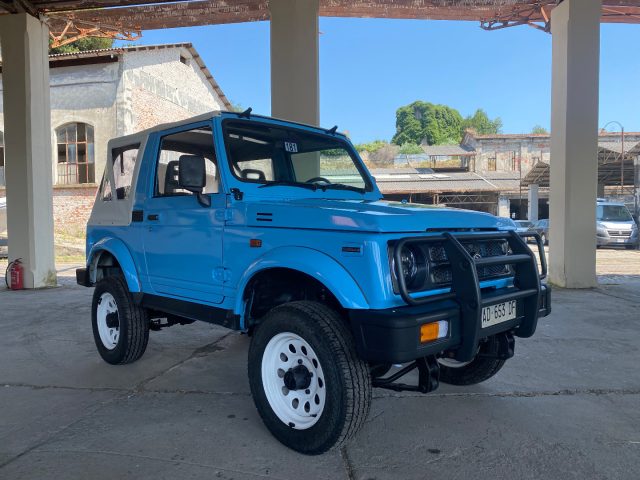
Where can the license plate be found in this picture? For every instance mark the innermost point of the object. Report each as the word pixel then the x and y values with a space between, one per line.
pixel 620 240
pixel 498 313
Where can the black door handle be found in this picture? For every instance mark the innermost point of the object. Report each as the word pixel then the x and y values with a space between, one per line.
pixel 153 217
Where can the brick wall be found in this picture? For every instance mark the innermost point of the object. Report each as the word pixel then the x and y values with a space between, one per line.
pixel 71 210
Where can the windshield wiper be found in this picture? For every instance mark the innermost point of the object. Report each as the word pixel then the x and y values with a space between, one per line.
pixel 286 183
pixel 342 186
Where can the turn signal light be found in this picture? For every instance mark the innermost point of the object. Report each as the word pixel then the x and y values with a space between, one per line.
pixel 433 331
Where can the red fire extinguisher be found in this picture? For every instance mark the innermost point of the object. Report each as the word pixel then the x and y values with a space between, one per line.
pixel 14 276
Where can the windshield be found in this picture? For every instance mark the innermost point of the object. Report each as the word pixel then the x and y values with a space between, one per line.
pixel 272 155
pixel 613 213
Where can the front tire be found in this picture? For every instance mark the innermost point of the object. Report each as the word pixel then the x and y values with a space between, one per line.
pixel 311 389
pixel 120 327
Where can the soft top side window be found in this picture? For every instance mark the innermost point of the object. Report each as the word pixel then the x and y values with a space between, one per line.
pixel 198 141
pixel 123 162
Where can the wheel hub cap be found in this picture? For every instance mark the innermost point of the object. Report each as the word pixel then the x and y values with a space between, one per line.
pixel 297 378
pixel 108 321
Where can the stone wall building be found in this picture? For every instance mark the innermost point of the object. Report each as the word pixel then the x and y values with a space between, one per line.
pixel 101 94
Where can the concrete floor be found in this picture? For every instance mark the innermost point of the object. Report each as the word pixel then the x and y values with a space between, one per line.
pixel 566 406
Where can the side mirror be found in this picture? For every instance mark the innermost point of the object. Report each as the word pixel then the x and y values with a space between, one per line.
pixel 192 176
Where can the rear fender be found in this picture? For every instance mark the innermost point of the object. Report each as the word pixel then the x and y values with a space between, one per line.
pixel 119 250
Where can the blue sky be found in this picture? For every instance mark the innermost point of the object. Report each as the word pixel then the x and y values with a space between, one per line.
pixel 370 67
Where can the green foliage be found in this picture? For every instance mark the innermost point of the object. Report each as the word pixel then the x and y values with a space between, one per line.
pixel 371 147
pixel 410 149
pixel 439 124
pixel 82 45
pixel 423 121
pixel 539 129
pixel 482 124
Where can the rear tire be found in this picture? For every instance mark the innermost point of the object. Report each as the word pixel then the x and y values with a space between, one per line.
pixel 311 389
pixel 120 327
pixel 469 373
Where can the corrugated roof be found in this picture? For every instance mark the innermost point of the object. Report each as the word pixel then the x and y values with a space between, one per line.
pixel 407 181
pixel 105 52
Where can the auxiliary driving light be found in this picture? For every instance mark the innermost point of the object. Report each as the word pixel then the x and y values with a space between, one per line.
pixel 433 331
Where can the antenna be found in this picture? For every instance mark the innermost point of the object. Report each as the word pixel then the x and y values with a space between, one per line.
pixel 246 113
pixel 333 130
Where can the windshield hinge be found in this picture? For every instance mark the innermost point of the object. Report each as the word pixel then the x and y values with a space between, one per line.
pixel 237 194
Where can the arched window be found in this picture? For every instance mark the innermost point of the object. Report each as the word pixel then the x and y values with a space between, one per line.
pixel 2 180
pixel 76 156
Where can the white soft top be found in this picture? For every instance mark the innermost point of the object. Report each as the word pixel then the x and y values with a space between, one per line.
pixel 140 136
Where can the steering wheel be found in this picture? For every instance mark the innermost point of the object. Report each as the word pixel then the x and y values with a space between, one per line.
pixel 319 179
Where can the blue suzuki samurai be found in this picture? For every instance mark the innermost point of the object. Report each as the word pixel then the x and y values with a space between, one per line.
pixel 278 230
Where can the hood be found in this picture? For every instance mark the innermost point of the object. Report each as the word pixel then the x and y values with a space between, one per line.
pixel 623 225
pixel 364 215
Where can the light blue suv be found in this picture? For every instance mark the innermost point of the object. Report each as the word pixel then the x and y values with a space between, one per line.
pixel 278 230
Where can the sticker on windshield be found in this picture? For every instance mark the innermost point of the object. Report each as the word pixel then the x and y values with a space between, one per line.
pixel 291 147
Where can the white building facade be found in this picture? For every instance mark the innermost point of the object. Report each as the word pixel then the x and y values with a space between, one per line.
pixel 101 94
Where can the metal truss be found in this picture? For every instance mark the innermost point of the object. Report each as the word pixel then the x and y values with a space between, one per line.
pixel 68 30
pixel 459 198
pixel 536 15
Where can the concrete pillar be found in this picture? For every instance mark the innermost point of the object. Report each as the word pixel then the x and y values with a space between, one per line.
pixel 575 25
pixel 27 119
pixel 636 187
pixel 532 213
pixel 295 82
pixel 504 207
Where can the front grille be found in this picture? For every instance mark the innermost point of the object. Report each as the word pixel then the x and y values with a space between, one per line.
pixel 440 270
pixel 619 233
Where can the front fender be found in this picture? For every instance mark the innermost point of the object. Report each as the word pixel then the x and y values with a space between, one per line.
pixel 317 265
pixel 119 250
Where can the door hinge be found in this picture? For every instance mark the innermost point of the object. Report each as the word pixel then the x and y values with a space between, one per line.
pixel 224 215
pixel 222 274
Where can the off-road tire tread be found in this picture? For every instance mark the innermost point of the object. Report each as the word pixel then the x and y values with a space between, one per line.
pixel 137 336
pixel 358 392
pixel 479 370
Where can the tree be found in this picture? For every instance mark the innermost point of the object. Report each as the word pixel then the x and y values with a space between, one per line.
pixel 482 124
pixel 82 45
pixel 410 149
pixel 423 121
pixel 539 129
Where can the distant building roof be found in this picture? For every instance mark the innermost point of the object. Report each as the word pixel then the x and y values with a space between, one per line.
pixel 448 150
pixel 407 181
pixel 86 56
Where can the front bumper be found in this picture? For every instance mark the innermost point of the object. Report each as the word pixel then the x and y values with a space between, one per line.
pixel 617 241
pixel 393 335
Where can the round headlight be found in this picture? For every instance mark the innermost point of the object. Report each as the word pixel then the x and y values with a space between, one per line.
pixel 409 265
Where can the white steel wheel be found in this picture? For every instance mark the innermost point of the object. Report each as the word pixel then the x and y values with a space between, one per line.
pixel 310 387
pixel 293 381
pixel 108 321
pixel 120 326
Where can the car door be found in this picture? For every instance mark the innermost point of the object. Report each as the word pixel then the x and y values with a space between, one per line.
pixel 183 239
